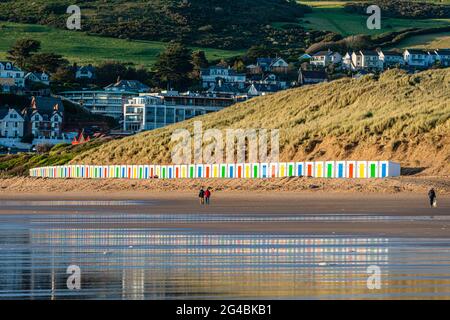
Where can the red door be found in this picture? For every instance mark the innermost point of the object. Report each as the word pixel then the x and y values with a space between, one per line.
pixel 239 171
pixel 207 172
pixel 350 170
pixel 177 173
pixel 309 170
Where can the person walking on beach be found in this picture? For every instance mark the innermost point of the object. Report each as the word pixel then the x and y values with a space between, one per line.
pixel 432 197
pixel 201 195
pixel 207 195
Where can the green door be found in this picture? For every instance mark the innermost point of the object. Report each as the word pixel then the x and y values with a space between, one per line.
pixel 330 171
pixel 373 170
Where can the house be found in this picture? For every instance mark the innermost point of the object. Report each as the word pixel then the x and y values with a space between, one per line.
pixel 11 77
pixel 253 69
pixel 347 61
pixel 44 117
pixel 391 58
pixel 85 72
pixel 128 86
pixel 443 56
pixel 305 58
pixel 11 123
pixel 210 76
pixel 366 59
pixel 311 77
pixel 223 89
pixel 417 58
pixel 325 58
pixel 38 77
pixel 276 65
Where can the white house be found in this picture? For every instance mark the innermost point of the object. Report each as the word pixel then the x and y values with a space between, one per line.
pixel 11 124
pixel 322 58
pixel 37 77
pixel 85 72
pixel 11 76
pixel 366 59
pixel 347 61
pixel 391 58
pixel 417 58
pixel 212 75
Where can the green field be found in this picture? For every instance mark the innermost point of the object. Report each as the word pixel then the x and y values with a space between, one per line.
pixel 427 41
pixel 330 16
pixel 81 48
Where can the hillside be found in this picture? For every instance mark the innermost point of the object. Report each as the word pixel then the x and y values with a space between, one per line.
pixel 400 117
pixel 230 24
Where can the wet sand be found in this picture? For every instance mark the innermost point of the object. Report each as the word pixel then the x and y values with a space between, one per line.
pixel 400 215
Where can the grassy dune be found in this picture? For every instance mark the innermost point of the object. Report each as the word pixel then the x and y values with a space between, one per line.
pixel 82 48
pixel 400 117
pixel 427 41
pixel 330 16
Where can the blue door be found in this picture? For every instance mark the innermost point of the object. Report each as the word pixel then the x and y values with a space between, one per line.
pixel 383 170
pixel 340 170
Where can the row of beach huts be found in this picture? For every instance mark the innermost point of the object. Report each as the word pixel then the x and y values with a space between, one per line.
pixel 316 169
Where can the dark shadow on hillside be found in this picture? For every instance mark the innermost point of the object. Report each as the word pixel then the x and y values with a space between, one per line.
pixel 411 171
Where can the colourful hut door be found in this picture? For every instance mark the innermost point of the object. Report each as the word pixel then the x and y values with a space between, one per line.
pixel 207 172
pixel 350 170
pixel 329 170
pixel 309 170
pixel 373 170
pixel 340 170
pixel 255 171
pixel 383 170
pixel 224 171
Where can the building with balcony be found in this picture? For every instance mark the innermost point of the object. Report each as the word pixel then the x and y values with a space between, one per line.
pixel 155 110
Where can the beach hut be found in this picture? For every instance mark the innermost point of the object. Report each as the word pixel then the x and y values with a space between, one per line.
pixel 319 169
pixel 207 171
pixel 239 170
pixel 290 169
pixel 350 169
pixel 191 169
pixel 339 169
pixel 247 170
pixel 215 171
pixel 273 170
pixel 170 172
pixel 282 170
pixel 183 171
pixel 361 171
pixel 199 171
pixel 329 169
pixel 223 170
pixel 231 170
pixel 389 169
pixel 177 171
pixel 372 169
pixel 157 171
pixel 163 172
pixel 299 169
pixel 256 173
pixel 141 172
pixel 309 169
pixel 264 167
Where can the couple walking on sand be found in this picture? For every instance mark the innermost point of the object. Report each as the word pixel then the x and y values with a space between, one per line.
pixel 204 195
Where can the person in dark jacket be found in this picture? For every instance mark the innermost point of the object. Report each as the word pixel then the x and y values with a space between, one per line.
pixel 432 197
pixel 201 195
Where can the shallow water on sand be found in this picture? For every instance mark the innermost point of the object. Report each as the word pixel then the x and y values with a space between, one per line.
pixel 120 260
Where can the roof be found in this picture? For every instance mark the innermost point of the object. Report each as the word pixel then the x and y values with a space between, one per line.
pixel 223 88
pixel 391 53
pixel 5 111
pixel 88 68
pixel 264 87
pixel 36 74
pixel 231 72
pixel 369 52
pixel 44 105
pixel 314 74
pixel 14 68
pixel 443 52
pixel 322 53
pixel 417 51
pixel 128 85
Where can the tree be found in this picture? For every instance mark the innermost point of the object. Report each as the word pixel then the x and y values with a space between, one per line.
pixel 174 66
pixel 22 50
pixel 199 62
pixel 64 74
pixel 108 72
pixel 239 66
pixel 260 51
pixel 46 62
